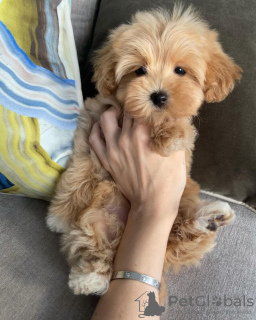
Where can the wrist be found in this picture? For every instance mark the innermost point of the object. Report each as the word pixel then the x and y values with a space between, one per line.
pixel 158 214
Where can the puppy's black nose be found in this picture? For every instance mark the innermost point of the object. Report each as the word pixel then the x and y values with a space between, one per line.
pixel 159 98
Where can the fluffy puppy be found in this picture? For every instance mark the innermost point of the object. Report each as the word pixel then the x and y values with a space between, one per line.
pixel 159 69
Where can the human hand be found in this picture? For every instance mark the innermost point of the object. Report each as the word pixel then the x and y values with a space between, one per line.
pixel 150 182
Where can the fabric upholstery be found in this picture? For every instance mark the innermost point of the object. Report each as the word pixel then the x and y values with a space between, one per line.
pixel 40 96
pixel 225 150
pixel 34 274
pixel 83 15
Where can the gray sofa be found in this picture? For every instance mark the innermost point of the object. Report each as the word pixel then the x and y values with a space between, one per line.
pixel 34 274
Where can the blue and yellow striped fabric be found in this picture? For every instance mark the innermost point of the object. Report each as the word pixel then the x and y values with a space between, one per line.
pixel 40 94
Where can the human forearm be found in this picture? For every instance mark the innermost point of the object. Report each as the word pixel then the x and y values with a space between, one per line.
pixel 153 185
pixel 142 250
pixel 143 245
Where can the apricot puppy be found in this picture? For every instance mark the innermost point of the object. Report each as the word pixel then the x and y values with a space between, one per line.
pixel 159 69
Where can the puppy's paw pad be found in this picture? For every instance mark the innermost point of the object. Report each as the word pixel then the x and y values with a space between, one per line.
pixel 91 283
pixel 213 215
pixel 212 226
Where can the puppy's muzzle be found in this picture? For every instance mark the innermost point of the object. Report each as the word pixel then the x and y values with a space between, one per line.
pixel 159 98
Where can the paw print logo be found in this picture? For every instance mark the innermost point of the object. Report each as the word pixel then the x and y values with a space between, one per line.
pixel 216 300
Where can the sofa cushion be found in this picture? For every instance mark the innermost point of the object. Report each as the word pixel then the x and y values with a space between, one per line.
pixel 83 15
pixel 34 274
pixel 40 95
pixel 224 160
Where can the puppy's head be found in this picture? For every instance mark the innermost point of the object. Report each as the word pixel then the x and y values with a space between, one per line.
pixel 164 65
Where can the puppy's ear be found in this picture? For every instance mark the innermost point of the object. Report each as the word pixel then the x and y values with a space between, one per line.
pixel 104 63
pixel 221 73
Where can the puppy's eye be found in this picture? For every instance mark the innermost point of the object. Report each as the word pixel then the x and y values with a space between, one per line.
pixel 141 71
pixel 180 71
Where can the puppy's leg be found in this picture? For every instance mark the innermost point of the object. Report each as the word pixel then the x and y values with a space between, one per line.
pixel 73 194
pixel 92 243
pixel 74 190
pixel 90 255
pixel 195 228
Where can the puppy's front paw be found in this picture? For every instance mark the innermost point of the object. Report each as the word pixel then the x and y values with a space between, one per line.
pixel 164 142
pixel 213 215
pixel 90 283
pixel 173 136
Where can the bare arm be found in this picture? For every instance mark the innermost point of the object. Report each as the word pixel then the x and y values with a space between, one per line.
pixel 153 184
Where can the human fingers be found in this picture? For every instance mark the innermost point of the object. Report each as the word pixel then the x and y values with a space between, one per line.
pixel 110 127
pixel 141 133
pixel 99 145
pixel 127 123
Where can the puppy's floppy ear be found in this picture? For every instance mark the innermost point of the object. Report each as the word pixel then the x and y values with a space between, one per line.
pixel 104 63
pixel 221 73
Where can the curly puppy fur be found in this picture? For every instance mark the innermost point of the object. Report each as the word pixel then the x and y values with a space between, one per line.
pixel 87 203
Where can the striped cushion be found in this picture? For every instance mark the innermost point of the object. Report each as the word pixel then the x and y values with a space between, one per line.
pixel 40 95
